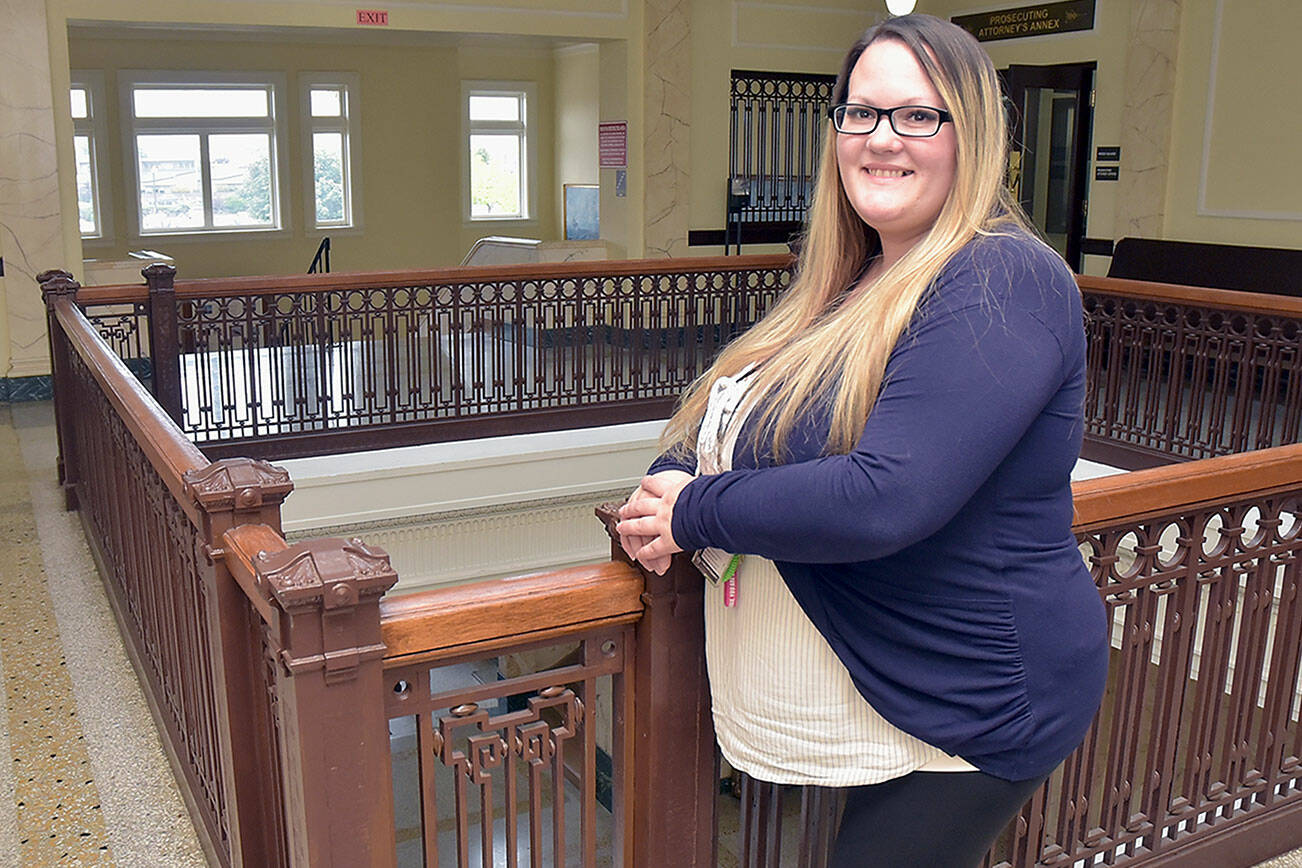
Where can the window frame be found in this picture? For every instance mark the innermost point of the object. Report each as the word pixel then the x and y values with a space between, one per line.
pixel 350 126
pixel 275 126
pixel 525 129
pixel 95 128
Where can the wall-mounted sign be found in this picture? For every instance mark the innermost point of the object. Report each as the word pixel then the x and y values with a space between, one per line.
pixel 1035 20
pixel 373 17
pixel 612 145
pixel 1107 173
pixel 1108 155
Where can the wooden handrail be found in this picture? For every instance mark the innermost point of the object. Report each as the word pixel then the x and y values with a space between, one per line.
pixel 168 449
pixel 441 622
pixel 218 287
pixel 118 293
pixel 243 545
pixel 1187 485
pixel 1226 299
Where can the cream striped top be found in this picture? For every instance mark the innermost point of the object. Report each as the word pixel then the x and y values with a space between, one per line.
pixel 785 709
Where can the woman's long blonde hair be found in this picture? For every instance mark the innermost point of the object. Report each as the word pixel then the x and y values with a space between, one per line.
pixel 822 340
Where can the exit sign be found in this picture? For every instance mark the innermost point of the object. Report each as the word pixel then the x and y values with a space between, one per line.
pixel 378 17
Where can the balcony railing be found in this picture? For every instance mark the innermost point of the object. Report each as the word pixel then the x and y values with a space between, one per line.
pixel 564 718
pixel 289 366
pixel 1177 372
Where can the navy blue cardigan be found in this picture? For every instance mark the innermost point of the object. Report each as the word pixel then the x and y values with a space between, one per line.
pixel 937 557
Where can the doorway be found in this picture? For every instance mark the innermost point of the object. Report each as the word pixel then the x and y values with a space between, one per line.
pixel 1048 166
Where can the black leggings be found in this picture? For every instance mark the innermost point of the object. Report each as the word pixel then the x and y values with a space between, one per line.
pixel 927 820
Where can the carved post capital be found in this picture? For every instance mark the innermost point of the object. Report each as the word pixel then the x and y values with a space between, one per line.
pixel 329 590
pixel 238 484
pixel 159 275
pixel 56 283
pixel 330 572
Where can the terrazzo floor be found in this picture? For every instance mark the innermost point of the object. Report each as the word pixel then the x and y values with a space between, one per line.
pixel 83 777
pixel 86 781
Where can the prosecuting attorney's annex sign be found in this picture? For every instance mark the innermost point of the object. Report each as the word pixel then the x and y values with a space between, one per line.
pixel 1029 20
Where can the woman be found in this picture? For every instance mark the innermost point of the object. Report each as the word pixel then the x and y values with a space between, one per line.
pixel 889 453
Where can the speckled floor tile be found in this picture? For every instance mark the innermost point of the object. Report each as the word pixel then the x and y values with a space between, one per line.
pixel 58 815
pixel 147 822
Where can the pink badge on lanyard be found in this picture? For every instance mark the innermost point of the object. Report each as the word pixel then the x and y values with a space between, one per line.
pixel 730 582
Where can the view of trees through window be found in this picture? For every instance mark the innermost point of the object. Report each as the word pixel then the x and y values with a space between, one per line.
pixel 498 156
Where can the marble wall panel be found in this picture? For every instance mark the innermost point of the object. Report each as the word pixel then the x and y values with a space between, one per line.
pixel 1147 119
pixel 31 233
pixel 667 113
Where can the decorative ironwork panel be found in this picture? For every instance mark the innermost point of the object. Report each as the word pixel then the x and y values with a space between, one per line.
pixel 125 328
pixel 775 134
pixel 259 366
pixel 151 553
pixel 510 760
pixel 1199 726
pixel 1189 381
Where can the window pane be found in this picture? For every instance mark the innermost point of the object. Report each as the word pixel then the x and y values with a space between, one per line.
pixel 241 179
pixel 495 108
pixel 327 103
pixel 328 169
pixel 495 176
pixel 80 104
pixel 85 186
pixel 170 193
pixel 200 102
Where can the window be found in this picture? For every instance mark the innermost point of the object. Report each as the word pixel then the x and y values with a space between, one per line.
pixel 330 114
pixel 497 129
pixel 87 95
pixel 204 152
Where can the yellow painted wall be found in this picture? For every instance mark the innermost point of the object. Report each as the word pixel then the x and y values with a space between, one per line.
pixel 578 105
pixel 1235 176
pixel 410 151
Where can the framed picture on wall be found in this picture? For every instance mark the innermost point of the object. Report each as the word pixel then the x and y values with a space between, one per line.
pixel 581 211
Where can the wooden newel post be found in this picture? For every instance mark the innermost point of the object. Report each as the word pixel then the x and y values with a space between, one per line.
pixel 55 285
pixel 674 767
pixel 164 342
pixel 334 733
pixel 230 493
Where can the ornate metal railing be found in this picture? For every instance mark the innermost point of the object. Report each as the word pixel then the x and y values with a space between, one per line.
pixel 1177 373
pixel 508 703
pixel 294 710
pixel 312 364
pixel 775 136
pixel 251 653
pixel 307 365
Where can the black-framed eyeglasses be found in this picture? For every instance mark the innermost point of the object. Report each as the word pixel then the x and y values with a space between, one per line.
pixel 914 121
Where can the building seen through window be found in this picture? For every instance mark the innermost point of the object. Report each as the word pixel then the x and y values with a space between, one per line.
pixel 205 156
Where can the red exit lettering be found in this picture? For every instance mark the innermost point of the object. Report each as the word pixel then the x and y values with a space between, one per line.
pixel 373 16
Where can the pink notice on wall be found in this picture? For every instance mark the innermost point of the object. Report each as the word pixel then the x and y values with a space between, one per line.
pixel 612 145
pixel 373 17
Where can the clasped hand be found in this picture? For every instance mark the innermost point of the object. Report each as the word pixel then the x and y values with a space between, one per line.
pixel 646 520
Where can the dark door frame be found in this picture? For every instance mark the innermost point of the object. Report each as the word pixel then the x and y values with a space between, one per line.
pixel 1078 77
